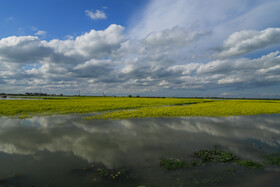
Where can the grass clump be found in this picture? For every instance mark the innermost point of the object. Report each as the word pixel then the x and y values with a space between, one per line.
pixel 225 157
pixel 215 156
pixel 171 164
pixel 250 164
pixel 112 173
pixel 273 159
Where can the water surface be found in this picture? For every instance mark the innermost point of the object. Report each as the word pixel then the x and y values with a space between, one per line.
pixel 67 151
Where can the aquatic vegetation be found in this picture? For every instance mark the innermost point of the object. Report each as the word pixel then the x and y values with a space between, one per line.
pixel 112 173
pixel 273 159
pixel 223 157
pixel 50 106
pixel 215 156
pixel 215 108
pixel 170 163
pixel 203 155
pixel 250 164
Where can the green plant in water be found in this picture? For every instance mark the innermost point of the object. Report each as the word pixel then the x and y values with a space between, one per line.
pixel 218 157
pixel 103 172
pixel 273 159
pixel 112 173
pixel 170 163
pixel 250 164
pixel 215 156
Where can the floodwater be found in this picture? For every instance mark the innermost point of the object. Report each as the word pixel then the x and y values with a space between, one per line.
pixel 67 151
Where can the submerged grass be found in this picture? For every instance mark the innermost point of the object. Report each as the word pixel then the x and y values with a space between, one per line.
pixel 170 163
pixel 113 174
pixel 250 164
pixel 273 159
pixel 216 108
pixel 214 156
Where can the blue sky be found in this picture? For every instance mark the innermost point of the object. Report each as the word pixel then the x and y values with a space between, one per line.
pixel 62 17
pixel 178 48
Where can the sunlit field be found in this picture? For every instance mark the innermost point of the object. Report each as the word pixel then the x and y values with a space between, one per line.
pixel 215 108
pixel 121 107
pixel 66 105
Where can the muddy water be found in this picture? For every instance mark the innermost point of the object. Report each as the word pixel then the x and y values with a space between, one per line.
pixel 67 151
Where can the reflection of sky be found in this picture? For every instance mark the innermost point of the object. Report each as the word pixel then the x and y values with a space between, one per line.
pixel 132 142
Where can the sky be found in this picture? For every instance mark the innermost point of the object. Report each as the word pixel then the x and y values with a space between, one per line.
pixel 174 48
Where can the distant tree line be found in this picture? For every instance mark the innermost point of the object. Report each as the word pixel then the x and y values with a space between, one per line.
pixel 41 94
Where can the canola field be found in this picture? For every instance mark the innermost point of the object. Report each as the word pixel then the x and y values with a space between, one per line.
pixel 125 107
pixel 65 105
pixel 215 108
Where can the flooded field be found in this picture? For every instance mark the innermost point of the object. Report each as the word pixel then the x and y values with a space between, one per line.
pixel 68 151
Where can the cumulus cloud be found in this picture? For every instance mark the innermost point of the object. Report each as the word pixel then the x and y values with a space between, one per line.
pixel 107 60
pixel 94 69
pixel 216 17
pixel 94 44
pixel 23 49
pixel 175 36
pixel 98 14
pixel 246 41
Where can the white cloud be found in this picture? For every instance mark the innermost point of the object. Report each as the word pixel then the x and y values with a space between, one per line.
pixel 226 94
pixel 218 17
pixel 246 41
pixel 69 37
pixel 41 33
pixel 93 44
pixel 194 15
pixel 98 14
pixel 23 49
pixel 205 15
pixel 175 36
pixel 106 60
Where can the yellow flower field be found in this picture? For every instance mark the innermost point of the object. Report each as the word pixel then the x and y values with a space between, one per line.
pixel 217 108
pixel 121 107
pixel 65 105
